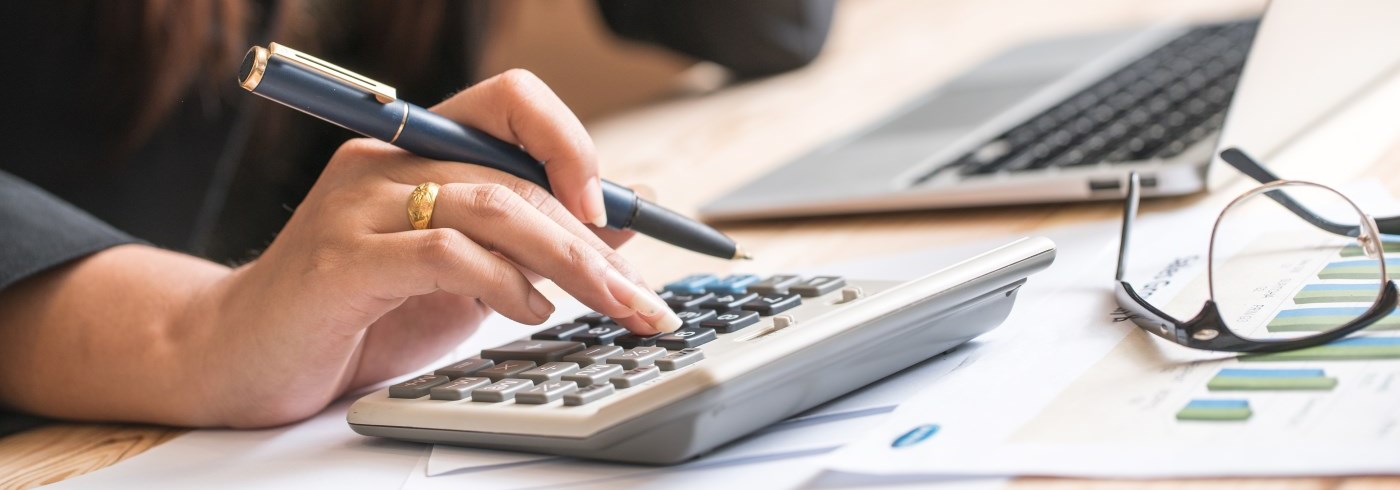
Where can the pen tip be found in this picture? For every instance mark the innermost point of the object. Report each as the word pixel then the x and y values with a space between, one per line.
pixel 740 254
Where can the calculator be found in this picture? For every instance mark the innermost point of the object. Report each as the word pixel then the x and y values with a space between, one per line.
pixel 752 351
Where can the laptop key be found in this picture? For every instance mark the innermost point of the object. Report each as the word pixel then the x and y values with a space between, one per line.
pixel 465 367
pixel 635 376
pixel 595 374
pixel 772 304
pixel 686 338
pixel 458 389
pixel 540 351
pixel 502 390
pixel 588 394
pixel 545 393
pixel 506 369
pixel 641 356
pixel 548 372
pixel 731 322
pixel 593 355
pixel 416 387
pixel 560 332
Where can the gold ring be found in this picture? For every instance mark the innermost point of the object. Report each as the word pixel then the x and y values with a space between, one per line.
pixel 420 205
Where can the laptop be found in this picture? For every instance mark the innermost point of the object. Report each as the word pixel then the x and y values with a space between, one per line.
pixel 1067 119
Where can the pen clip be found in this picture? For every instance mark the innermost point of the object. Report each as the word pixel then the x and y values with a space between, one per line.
pixel 383 93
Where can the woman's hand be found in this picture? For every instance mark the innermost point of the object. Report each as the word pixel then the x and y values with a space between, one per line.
pixel 348 294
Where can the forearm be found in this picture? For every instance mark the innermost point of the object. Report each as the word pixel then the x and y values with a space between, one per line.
pixel 96 339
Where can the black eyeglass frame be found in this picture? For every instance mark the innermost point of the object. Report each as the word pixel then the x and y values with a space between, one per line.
pixel 1207 330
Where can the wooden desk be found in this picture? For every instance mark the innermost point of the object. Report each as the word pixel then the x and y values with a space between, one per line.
pixel 693 148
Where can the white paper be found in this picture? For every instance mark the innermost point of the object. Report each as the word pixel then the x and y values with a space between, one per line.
pixel 1099 398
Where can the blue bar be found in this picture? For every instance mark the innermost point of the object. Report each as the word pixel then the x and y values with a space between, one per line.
pixel 1218 404
pixel 1367 341
pixel 1271 373
pixel 734 284
pixel 1363 263
pixel 1345 311
pixel 1370 286
pixel 691 284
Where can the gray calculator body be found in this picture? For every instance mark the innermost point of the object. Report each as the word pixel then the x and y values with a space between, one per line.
pixel 748 379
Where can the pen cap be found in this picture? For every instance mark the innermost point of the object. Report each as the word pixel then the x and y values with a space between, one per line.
pixel 290 83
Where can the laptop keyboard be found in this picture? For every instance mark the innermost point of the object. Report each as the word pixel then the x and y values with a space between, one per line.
pixel 1155 107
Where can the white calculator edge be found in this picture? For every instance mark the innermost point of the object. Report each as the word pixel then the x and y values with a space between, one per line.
pixel 760 376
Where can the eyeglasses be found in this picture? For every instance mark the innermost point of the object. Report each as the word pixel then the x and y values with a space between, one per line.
pixel 1292 264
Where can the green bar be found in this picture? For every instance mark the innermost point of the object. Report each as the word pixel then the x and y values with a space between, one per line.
pixel 1320 323
pixel 1194 413
pixel 1310 297
pixel 1242 383
pixel 1355 251
pixel 1330 353
pixel 1361 272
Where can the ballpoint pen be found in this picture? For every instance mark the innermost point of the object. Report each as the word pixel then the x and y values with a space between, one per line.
pixel 346 99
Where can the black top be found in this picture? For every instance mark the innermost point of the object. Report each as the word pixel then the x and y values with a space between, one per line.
pixel 197 185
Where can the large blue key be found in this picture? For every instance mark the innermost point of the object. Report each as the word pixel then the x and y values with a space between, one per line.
pixel 734 284
pixel 691 284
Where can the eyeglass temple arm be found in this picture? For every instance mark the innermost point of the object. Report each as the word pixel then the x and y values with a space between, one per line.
pixel 1130 209
pixel 1248 166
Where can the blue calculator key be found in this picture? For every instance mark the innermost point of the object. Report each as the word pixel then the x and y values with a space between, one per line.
pixel 734 284
pixel 691 284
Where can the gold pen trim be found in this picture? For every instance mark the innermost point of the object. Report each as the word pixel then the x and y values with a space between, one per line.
pixel 255 72
pixel 402 122
pixel 383 93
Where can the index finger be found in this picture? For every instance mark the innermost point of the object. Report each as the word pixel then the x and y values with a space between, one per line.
pixel 519 108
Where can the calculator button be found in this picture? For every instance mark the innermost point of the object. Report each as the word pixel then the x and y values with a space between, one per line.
pixel 506 369
pixel 560 332
pixel 778 284
pixel 588 395
pixel 727 302
pixel 465 367
pixel 635 376
pixel 501 390
pixel 593 318
pixel 772 304
pixel 416 387
pixel 533 350
pixel 595 374
pixel 818 286
pixel 641 356
pixel 458 389
pixel 734 284
pixel 686 338
pixel 679 359
pixel 693 317
pixel 593 355
pixel 664 294
pixel 691 284
pixel 634 340
pixel 601 334
pixel 680 302
pixel 548 372
pixel 732 321
pixel 545 393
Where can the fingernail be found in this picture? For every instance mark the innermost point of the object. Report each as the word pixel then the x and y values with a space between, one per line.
pixel 593 203
pixel 540 305
pixel 646 303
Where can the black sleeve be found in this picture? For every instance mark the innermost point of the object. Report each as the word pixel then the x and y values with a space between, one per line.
pixel 39 231
pixel 751 37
